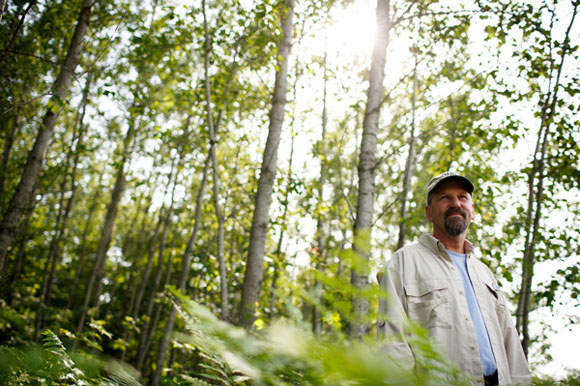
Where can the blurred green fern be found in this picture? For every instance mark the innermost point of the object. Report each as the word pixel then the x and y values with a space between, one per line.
pixel 284 354
pixel 50 364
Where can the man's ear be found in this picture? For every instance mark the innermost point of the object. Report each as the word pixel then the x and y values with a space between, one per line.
pixel 428 213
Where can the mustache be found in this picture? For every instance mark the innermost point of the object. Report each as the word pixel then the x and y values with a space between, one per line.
pixel 451 211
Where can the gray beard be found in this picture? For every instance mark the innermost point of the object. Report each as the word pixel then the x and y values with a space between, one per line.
pixel 455 226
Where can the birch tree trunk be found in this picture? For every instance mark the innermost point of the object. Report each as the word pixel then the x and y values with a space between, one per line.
pixel 159 308
pixel 131 246
pixel 536 193
pixel 366 172
pixel 452 133
pixel 320 224
pixel 83 248
pixel 255 260
pixel 184 273
pixel 2 8
pixel 215 176
pixel 36 156
pixel 10 128
pixel 139 291
pixel 54 256
pixel 278 263
pixel 145 329
pixel 133 285
pixel 8 288
pixel 139 287
pixel 408 166
pixel 106 233
pixel 211 159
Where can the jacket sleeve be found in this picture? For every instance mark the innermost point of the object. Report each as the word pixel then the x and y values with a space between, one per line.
pixel 392 318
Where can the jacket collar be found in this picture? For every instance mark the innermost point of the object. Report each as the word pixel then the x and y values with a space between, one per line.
pixel 437 247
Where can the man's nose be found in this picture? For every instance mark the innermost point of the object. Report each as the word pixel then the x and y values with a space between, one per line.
pixel 455 202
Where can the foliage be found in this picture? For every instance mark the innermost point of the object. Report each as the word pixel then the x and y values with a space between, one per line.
pixel 572 379
pixel 50 364
pixel 285 353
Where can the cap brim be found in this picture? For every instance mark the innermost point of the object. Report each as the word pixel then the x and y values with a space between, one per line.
pixel 464 181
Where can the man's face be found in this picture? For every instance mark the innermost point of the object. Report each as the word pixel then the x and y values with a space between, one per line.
pixel 451 209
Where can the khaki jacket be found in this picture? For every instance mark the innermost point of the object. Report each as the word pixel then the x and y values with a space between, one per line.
pixel 422 283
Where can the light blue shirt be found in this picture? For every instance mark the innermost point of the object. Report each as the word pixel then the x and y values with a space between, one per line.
pixel 485 350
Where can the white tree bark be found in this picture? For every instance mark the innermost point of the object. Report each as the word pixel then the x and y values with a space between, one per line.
pixel 106 234
pixel 255 260
pixel 213 126
pixel 408 166
pixel 536 194
pixel 184 272
pixel 366 174
pixel 36 156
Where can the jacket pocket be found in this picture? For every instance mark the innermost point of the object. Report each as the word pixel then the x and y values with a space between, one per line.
pixel 496 299
pixel 428 303
pixel 493 289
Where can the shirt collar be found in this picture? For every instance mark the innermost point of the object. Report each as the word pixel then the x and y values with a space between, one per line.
pixel 437 247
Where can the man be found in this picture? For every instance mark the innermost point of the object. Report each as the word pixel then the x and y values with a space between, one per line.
pixel 441 285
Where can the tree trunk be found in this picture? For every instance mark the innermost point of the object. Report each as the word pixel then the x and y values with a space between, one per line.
pixel 73 156
pixel 36 156
pixel 139 293
pixel 184 273
pixel 159 308
pixel 211 158
pixel 145 333
pixel 107 231
pixel 53 257
pixel 8 285
pixel 2 8
pixel 131 248
pixel 408 166
pixel 255 260
pixel 278 264
pixel 452 133
pixel 138 290
pixel 10 127
pixel 320 224
pixel 215 176
pixel 535 195
pixel 366 173
pixel 83 248
pixel 133 286
pixel 535 198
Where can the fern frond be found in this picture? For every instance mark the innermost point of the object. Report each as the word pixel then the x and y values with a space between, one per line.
pixel 194 381
pixel 115 380
pixel 53 344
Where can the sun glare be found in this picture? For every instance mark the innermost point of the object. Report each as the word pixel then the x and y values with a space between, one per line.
pixel 354 29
